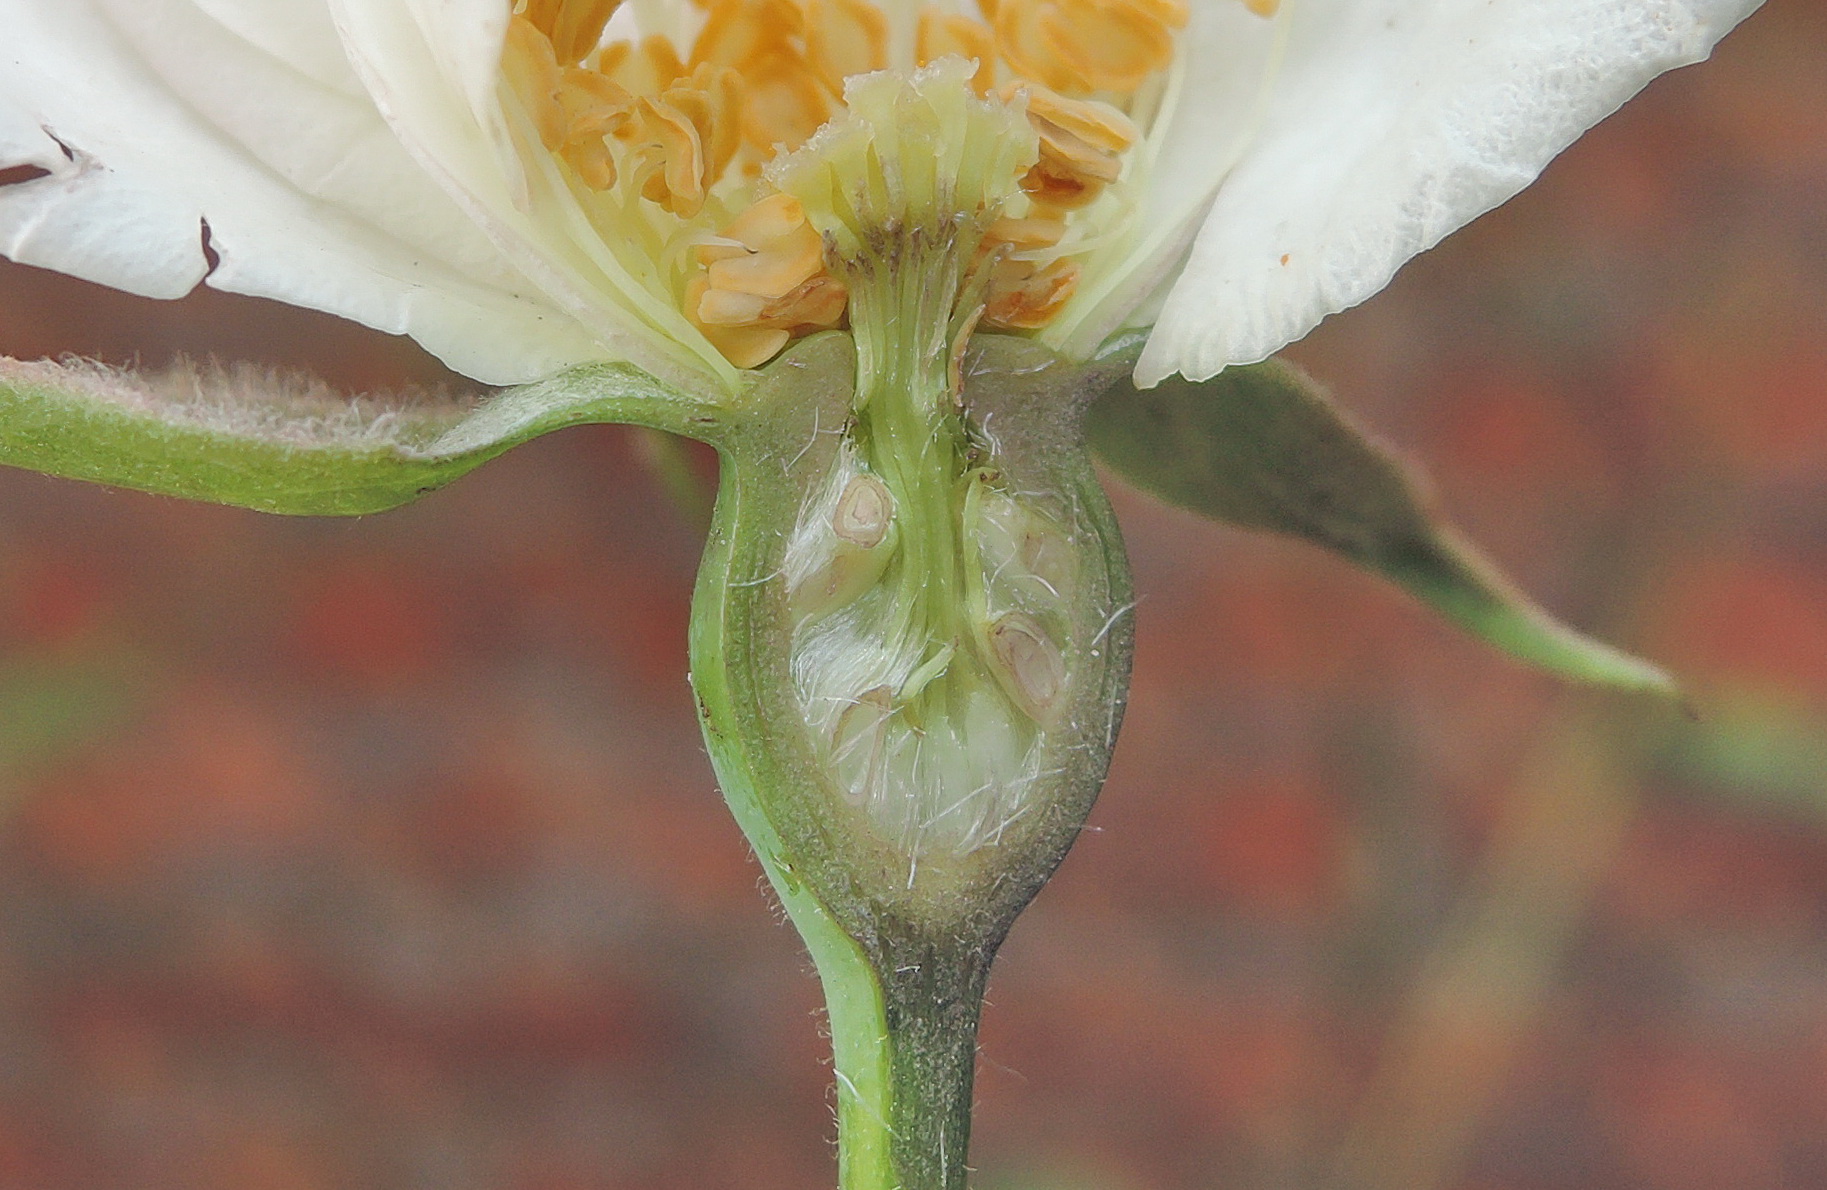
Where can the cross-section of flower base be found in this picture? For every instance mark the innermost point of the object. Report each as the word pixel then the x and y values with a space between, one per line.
pixel 910 644
pixel 888 259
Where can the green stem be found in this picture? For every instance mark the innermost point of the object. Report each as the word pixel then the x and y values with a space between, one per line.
pixel 902 938
pixel 934 996
pixel 735 674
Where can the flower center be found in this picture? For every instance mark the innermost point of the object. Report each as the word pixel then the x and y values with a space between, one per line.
pixel 661 119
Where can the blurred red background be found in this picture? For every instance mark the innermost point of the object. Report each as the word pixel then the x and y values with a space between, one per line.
pixel 383 853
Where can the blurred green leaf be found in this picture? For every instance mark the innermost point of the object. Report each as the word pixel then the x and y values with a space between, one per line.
pixel 251 438
pixel 1765 751
pixel 1264 447
pixel 692 492
pixel 52 705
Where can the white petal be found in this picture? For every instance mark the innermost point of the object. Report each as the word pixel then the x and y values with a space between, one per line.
pixel 433 67
pixel 91 222
pixel 1392 123
pixel 1215 106
pixel 245 116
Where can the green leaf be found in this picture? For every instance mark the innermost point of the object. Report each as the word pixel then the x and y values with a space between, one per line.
pixel 1264 447
pixel 247 437
pixel 1764 749
pixel 51 706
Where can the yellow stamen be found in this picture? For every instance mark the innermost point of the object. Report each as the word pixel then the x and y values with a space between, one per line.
pixel 767 270
pixel 1035 231
pixel 1116 53
pixel 595 109
pixel 743 346
pixel 737 32
pixel 845 37
pixel 1024 297
pixel 782 267
pixel 675 135
pixel 818 305
pixel 532 70
pixel 1081 147
pixel 767 222
pixel 713 102
pixel 1097 124
pixel 573 26
pixel 645 67
pixel 784 104
pixel 670 158
pixel 943 33
pixel 1082 46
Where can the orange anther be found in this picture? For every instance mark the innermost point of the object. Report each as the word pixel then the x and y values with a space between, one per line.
pixel 1067 152
pixel 714 248
pixel 739 31
pixel 595 109
pixel 531 70
pixel 1032 232
pixel 578 28
pixel 710 99
pixel 672 159
pixel 845 37
pixel 720 307
pixel 1173 13
pixel 1107 44
pixel 1023 297
pixel 1082 46
pixel 766 221
pixel 593 105
pixel 1081 146
pixel 594 162
pixel 1097 124
pixel 774 270
pixel 1018 40
pixel 766 271
pixel 1051 187
pixel 818 305
pixel 543 14
pixel 646 67
pixel 743 346
pixel 941 33
pixel 747 346
pixel 783 103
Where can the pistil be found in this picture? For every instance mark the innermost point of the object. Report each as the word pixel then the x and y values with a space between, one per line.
pixel 925 680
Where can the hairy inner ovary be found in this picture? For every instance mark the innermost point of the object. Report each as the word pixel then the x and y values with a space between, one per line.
pixel 933 651
pixel 662 117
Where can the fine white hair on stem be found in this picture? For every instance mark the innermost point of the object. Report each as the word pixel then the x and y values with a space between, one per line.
pixel 242 400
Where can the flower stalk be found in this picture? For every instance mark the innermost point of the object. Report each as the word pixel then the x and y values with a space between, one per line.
pixel 906 637
pixel 904 875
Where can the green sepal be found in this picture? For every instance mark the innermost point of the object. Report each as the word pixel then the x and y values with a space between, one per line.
pixel 1264 447
pixel 244 437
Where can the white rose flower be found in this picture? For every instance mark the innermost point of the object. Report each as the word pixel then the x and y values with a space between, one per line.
pixel 524 187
